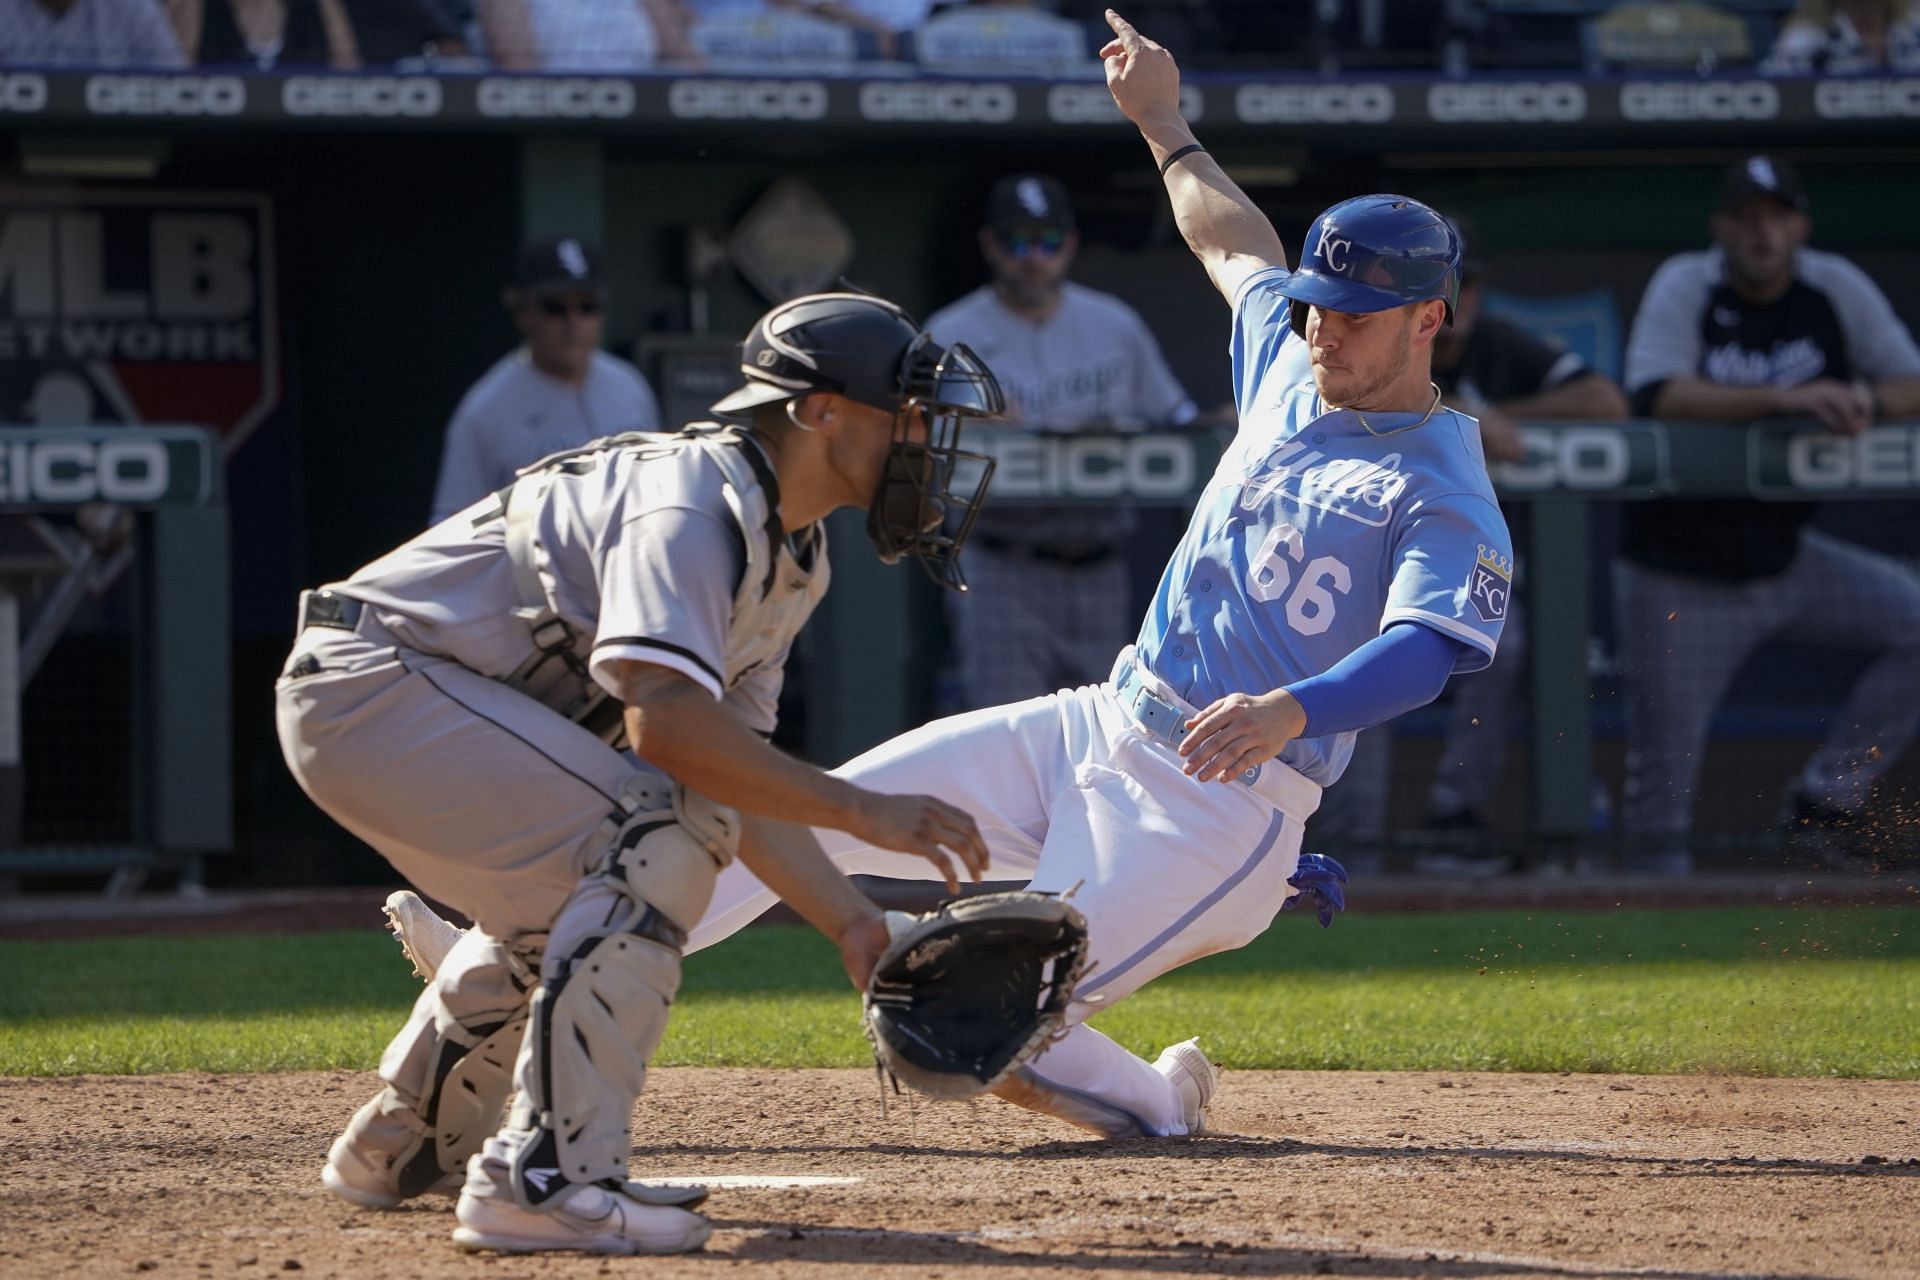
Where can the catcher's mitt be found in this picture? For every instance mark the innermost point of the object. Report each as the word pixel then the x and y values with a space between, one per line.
pixel 968 993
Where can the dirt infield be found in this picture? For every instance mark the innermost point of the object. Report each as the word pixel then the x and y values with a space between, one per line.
pixel 1423 1174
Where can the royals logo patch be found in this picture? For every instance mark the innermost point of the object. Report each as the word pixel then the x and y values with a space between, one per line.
pixel 1491 584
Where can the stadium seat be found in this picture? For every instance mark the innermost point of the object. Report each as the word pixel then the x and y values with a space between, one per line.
pixel 992 38
pixel 1587 324
pixel 1666 37
pixel 773 38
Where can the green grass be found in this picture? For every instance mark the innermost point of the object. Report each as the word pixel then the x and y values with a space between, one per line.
pixel 1763 991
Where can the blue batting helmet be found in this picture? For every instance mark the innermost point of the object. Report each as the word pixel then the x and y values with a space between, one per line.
pixel 1372 253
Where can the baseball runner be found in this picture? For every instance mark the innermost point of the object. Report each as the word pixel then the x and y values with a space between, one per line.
pixel 1346 557
pixel 457 704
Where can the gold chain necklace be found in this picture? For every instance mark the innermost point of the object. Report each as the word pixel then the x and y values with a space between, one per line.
pixel 1411 425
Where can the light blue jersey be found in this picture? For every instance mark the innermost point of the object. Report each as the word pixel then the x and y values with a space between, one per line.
pixel 1316 533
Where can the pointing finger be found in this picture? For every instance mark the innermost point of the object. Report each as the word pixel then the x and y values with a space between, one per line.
pixel 1123 29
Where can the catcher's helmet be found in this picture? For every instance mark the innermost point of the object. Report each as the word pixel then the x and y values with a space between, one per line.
pixel 1373 253
pixel 868 350
pixel 849 343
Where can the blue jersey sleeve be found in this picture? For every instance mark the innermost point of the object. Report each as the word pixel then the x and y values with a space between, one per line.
pixel 1402 668
pixel 1452 570
pixel 1261 325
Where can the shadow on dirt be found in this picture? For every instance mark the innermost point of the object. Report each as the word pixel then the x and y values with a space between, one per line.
pixel 786 1242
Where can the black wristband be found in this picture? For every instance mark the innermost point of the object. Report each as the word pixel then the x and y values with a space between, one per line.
pixel 1187 150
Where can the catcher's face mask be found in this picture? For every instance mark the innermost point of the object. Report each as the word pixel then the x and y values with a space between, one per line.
pixel 919 491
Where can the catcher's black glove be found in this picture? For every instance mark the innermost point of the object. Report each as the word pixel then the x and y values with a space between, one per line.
pixel 963 996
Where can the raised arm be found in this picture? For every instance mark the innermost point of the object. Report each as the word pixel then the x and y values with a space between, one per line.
pixel 1231 237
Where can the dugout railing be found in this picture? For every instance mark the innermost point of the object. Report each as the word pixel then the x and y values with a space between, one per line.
pixel 864 627
pixel 88 511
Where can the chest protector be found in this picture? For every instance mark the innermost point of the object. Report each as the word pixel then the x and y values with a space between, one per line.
pixel 777 592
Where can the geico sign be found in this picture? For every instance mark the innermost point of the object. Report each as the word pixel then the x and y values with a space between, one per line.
pixel 63 471
pixel 1883 458
pixel 1093 104
pixel 924 103
pixel 166 95
pixel 1313 103
pixel 747 99
pixel 1143 466
pixel 1525 101
pixel 1711 100
pixel 376 96
pixel 529 97
pixel 1569 458
pixel 1872 99
pixel 23 94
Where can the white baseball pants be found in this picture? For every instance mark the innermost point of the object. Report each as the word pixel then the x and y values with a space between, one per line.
pixel 1072 795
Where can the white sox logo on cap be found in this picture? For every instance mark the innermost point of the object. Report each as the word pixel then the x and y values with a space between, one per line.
pixel 572 257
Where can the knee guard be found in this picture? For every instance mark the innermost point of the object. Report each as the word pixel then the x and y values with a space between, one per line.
pixel 472 1097
pixel 451 1066
pixel 611 974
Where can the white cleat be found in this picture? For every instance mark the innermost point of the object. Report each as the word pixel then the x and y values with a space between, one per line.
pixel 590 1219
pixel 1194 1076
pixel 422 933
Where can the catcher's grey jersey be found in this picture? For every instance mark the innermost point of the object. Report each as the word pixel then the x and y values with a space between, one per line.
pixel 660 550
pixel 516 415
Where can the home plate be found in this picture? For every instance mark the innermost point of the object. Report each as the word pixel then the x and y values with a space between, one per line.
pixel 752 1181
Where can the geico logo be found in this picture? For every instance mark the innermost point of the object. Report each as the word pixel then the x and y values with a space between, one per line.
pixel 1713 100
pixel 23 93
pixel 1313 103
pixel 747 99
pixel 360 96
pixel 1882 458
pixel 1523 100
pixel 1845 99
pixel 1093 104
pixel 1570 458
pixel 938 103
pixel 83 471
pixel 531 97
pixel 1144 466
pixel 166 95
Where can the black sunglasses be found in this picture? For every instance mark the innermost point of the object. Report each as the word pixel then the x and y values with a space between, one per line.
pixel 558 307
pixel 1045 243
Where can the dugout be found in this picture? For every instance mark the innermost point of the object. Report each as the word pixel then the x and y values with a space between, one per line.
pixel 394 213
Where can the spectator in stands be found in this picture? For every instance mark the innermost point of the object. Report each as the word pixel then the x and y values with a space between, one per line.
pixel 585 35
pixel 341 34
pixel 86 33
pixel 557 391
pixel 1050 601
pixel 1757 327
pixel 887 22
pixel 1831 37
pixel 1500 374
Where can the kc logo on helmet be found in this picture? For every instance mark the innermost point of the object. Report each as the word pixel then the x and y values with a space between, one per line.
pixel 1334 252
